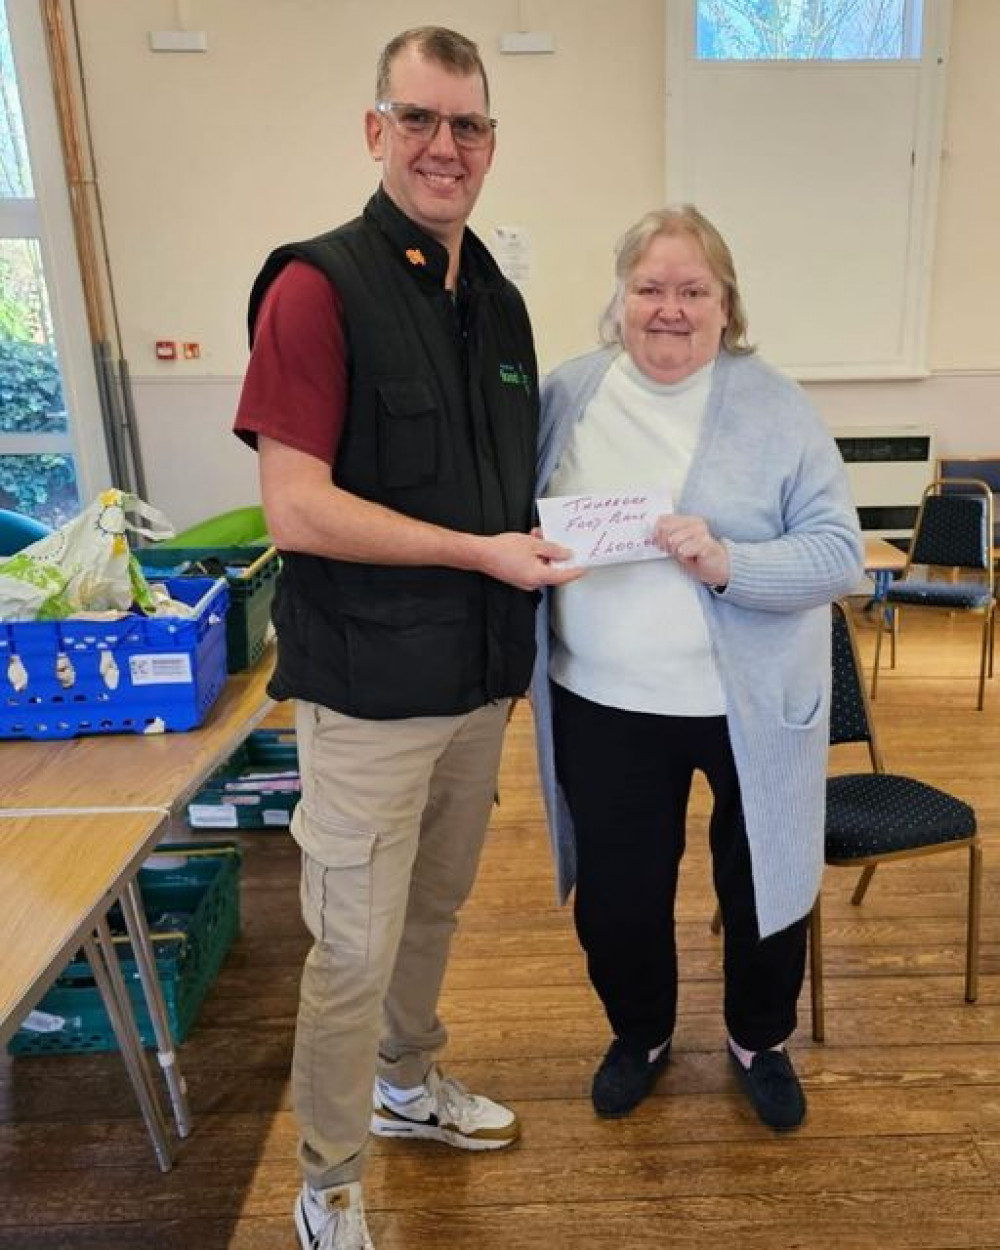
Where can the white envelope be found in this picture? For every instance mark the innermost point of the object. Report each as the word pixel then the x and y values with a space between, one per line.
pixel 612 528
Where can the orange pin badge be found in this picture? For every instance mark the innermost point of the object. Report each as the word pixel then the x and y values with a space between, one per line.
pixel 415 256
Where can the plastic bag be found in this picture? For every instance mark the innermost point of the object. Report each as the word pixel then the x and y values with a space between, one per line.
pixel 84 566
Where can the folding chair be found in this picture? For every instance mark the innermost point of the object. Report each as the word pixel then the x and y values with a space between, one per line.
pixel 876 817
pixel 954 531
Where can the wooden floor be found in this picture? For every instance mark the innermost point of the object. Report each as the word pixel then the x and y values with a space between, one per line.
pixel 901 1147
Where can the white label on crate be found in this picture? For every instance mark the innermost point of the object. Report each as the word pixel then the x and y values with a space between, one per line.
pixel 274 816
pixel 212 815
pixel 43 1022
pixel 173 668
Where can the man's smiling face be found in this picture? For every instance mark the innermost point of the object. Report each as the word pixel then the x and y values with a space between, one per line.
pixel 433 182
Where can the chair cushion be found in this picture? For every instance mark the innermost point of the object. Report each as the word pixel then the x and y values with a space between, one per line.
pixel 880 813
pixel 939 594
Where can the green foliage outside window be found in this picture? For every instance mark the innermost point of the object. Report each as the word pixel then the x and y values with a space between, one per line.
pixel 31 397
pixel 40 486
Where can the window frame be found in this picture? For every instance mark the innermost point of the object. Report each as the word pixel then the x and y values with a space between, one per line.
pixel 47 217
pixel 928 129
pixel 910 9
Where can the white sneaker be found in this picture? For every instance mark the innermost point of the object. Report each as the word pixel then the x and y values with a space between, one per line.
pixel 332 1219
pixel 443 1110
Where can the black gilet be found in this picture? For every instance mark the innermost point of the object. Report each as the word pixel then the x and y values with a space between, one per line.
pixel 441 425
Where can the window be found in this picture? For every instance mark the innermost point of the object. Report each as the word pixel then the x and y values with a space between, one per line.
pixel 809 30
pixel 46 378
pixel 821 171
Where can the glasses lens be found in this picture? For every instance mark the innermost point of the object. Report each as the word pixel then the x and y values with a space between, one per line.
pixel 471 130
pixel 416 122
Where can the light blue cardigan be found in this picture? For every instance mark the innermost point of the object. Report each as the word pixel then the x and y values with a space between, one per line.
pixel 768 478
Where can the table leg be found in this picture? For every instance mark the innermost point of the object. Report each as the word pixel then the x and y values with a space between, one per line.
pixel 882 579
pixel 108 975
pixel 142 948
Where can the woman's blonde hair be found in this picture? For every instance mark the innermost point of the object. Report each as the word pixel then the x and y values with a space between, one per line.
pixel 675 220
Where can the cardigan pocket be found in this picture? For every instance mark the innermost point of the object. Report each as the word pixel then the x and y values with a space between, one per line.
pixel 408 434
pixel 803 711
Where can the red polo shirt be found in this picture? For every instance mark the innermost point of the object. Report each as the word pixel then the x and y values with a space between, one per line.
pixel 295 388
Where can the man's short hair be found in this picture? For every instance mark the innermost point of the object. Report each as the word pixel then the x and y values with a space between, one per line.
pixel 444 47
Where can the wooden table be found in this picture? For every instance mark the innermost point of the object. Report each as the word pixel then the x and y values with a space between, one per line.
pixel 61 874
pixel 79 816
pixel 882 560
pixel 127 771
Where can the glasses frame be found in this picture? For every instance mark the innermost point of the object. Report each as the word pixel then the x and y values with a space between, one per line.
pixel 385 108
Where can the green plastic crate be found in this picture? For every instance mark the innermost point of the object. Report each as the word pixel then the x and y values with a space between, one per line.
pixel 194 916
pixel 251 572
pixel 256 788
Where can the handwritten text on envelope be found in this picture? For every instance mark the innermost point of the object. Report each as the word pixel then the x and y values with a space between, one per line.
pixel 606 529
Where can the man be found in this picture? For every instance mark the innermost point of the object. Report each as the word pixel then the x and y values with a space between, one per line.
pixel 392 397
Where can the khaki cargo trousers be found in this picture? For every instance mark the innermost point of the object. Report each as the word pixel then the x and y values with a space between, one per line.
pixel 391 824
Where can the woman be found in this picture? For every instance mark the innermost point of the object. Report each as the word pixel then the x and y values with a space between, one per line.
pixel 716 659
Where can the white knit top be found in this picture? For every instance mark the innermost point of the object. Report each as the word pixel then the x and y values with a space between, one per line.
pixel 634 635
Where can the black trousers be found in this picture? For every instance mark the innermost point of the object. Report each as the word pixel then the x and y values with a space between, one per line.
pixel 627 778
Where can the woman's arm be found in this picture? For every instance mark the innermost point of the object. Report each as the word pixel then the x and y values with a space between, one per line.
pixel 820 555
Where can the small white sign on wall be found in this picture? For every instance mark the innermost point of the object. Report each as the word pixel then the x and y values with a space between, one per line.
pixel 511 247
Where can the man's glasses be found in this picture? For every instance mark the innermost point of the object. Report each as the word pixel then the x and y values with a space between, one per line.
pixel 469 130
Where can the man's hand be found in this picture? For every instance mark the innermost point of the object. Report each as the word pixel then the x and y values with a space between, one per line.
pixel 689 540
pixel 307 512
pixel 526 561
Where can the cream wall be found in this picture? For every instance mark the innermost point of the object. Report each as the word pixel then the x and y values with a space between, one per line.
pixel 207 161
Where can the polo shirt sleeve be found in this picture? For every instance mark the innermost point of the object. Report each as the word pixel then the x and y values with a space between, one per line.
pixel 295 388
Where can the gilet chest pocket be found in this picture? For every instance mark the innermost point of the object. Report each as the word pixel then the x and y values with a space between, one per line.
pixel 408 451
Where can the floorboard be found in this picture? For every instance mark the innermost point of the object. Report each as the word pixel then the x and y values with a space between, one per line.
pixel 901 1148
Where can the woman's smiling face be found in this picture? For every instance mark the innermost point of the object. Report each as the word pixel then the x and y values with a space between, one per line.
pixel 673 309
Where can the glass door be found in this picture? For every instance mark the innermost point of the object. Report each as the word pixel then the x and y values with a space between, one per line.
pixel 48 400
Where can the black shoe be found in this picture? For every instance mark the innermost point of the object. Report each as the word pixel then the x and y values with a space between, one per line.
pixel 625 1077
pixel 772 1086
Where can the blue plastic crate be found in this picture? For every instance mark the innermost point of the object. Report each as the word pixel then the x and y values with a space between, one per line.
pixel 135 675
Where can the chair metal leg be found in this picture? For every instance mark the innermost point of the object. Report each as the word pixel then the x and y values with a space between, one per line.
pixel 878 651
pixel 983 660
pixel 108 975
pixel 861 889
pixel 972 934
pixel 816 971
pixel 895 616
pixel 138 932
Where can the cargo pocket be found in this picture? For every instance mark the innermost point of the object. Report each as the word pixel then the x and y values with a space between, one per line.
pixel 410 652
pixel 336 885
pixel 408 434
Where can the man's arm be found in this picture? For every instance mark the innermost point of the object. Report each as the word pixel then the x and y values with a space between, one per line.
pixel 307 512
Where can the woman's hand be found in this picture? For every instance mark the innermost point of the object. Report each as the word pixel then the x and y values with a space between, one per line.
pixel 689 540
